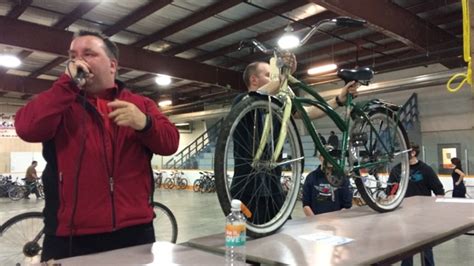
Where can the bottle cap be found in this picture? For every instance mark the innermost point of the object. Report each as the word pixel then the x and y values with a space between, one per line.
pixel 235 205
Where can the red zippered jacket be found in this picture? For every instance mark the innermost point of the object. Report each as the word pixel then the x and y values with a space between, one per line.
pixel 96 180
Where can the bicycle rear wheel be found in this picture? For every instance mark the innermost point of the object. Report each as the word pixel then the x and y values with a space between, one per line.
pixel 16 193
pixel 165 225
pixel 21 239
pixel 257 184
pixel 384 149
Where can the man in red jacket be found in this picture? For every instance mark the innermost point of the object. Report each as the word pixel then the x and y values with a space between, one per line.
pixel 98 140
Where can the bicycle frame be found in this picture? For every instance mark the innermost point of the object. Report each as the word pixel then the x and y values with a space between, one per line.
pixel 289 100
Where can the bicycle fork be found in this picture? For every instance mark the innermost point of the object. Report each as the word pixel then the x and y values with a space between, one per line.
pixel 268 128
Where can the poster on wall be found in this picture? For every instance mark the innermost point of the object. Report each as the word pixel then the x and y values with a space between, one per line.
pixel 445 153
pixel 7 125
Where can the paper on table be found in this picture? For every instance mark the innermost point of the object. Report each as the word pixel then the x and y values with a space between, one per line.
pixel 324 237
pixel 455 200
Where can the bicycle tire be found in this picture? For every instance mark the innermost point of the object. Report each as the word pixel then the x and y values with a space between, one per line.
pixel 16 193
pixel 40 189
pixel 387 196
pixel 269 206
pixel 21 238
pixel 197 185
pixel 168 184
pixel 183 183
pixel 164 220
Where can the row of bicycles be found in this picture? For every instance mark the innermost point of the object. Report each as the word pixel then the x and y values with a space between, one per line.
pixel 16 190
pixel 175 180
pixel 206 183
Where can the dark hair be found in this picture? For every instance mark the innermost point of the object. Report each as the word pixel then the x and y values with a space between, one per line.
pixel 110 47
pixel 250 70
pixel 457 162
pixel 332 132
pixel 415 148
pixel 33 162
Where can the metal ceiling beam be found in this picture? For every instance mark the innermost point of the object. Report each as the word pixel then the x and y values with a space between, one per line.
pixel 265 36
pixel 426 6
pixel 47 67
pixel 19 8
pixel 77 13
pixel 14 83
pixel 140 78
pixel 396 22
pixel 187 22
pixel 236 26
pixel 136 15
pixel 18 33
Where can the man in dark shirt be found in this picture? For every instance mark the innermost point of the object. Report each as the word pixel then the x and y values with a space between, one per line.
pixel 423 181
pixel 319 196
pixel 333 140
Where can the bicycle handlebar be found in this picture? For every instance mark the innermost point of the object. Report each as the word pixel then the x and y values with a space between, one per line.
pixel 340 21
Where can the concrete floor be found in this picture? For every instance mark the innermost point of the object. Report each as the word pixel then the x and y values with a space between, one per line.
pixel 200 215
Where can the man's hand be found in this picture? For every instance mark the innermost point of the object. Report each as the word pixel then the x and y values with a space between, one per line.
pixel 351 88
pixel 289 59
pixel 74 65
pixel 127 114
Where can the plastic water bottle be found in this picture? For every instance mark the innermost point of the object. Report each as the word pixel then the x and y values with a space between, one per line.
pixel 235 236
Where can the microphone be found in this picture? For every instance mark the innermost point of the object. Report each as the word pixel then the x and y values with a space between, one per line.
pixel 80 76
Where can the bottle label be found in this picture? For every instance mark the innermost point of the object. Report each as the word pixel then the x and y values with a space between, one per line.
pixel 235 235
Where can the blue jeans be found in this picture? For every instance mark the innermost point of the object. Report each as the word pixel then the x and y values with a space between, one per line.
pixel 428 258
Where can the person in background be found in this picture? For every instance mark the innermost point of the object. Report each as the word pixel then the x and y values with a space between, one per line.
pixel 319 196
pixel 333 140
pixel 30 180
pixel 423 182
pixel 459 189
pixel 98 140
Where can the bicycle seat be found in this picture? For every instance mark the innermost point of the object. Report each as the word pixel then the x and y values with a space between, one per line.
pixel 362 75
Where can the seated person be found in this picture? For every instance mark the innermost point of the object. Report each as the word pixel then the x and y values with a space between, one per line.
pixel 319 196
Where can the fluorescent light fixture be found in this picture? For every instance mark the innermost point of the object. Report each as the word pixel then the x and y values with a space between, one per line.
pixel 289 40
pixel 182 124
pixel 163 80
pixel 9 61
pixel 165 103
pixel 321 69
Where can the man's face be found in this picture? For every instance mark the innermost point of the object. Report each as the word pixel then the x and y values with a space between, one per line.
pixel 92 50
pixel 261 77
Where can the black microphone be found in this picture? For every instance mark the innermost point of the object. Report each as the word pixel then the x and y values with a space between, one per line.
pixel 80 76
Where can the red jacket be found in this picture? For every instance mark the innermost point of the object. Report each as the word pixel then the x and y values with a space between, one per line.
pixel 96 180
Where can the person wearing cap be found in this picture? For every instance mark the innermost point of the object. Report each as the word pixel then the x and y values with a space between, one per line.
pixel 319 196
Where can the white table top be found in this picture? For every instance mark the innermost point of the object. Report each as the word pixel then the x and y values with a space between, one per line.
pixel 377 237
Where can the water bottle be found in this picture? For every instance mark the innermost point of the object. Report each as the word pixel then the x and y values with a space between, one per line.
pixel 235 236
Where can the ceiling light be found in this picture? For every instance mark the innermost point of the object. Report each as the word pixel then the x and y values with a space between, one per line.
pixel 165 103
pixel 289 40
pixel 163 80
pixel 9 61
pixel 321 69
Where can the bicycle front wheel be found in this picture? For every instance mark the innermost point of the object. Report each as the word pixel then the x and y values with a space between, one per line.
pixel 165 225
pixel 21 239
pixel 258 184
pixel 379 152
